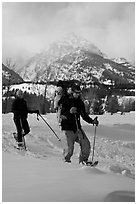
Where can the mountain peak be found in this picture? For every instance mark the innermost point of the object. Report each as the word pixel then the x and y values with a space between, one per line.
pixel 74 57
pixel 77 41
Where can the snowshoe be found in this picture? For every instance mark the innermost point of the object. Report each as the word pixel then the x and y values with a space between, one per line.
pixel 68 161
pixel 20 146
pixel 90 163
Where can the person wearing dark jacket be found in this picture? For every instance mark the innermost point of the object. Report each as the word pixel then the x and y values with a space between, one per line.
pixel 72 108
pixel 20 111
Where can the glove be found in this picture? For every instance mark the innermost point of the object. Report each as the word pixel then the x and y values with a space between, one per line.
pixel 73 110
pixel 95 121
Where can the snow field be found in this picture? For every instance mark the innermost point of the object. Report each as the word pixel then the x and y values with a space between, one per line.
pixel 34 175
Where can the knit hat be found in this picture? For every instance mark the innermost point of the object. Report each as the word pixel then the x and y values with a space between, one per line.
pixel 19 92
pixel 76 88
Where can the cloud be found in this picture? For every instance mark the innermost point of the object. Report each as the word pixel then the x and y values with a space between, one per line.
pixel 33 26
pixel 112 22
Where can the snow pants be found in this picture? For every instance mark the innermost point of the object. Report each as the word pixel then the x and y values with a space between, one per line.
pixel 21 125
pixel 70 138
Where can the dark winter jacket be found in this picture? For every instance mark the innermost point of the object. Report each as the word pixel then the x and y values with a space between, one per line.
pixel 70 123
pixel 20 109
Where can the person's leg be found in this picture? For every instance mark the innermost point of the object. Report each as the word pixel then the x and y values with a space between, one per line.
pixel 69 145
pixel 19 128
pixel 25 126
pixel 84 146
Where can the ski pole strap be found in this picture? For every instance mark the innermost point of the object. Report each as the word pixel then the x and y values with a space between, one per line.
pixel 50 128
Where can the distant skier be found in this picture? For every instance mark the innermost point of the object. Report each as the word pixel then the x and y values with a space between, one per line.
pixel 72 108
pixel 20 111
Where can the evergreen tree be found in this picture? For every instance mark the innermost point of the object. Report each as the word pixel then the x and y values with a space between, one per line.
pixel 112 105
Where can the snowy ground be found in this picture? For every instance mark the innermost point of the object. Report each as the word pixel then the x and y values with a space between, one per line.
pixel 40 175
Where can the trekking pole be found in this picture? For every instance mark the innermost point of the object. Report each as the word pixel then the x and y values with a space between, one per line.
pixel 50 127
pixel 94 144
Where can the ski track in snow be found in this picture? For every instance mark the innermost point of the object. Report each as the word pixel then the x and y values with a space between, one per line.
pixel 115 156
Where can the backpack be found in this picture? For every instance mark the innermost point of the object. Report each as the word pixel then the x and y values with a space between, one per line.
pixel 58 94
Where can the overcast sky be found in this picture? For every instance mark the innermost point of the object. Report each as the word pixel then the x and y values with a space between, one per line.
pixel 28 28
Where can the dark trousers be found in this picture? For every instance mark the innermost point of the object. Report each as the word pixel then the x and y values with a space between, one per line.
pixel 21 125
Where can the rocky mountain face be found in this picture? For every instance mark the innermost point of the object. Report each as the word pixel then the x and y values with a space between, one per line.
pixel 76 58
pixel 9 76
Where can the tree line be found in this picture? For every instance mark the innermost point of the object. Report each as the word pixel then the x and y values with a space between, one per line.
pixel 33 101
pixel 97 101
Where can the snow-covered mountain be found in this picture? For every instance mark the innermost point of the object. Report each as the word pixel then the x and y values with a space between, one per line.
pixel 123 62
pixel 76 58
pixel 9 76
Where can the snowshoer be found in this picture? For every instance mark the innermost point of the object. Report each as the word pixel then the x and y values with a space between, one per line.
pixel 58 94
pixel 72 108
pixel 20 111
